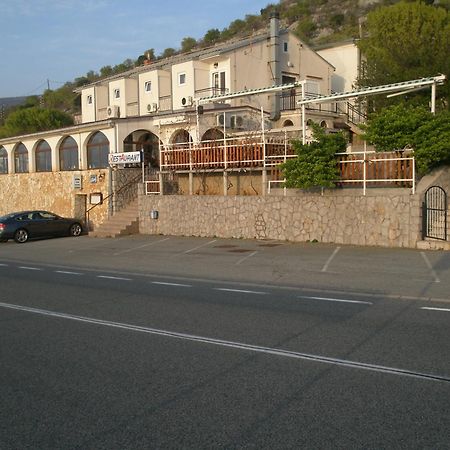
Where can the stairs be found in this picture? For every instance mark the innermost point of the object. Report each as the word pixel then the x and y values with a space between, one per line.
pixel 126 221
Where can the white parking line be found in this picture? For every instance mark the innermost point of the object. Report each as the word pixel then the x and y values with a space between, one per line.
pixel 433 272
pixel 325 267
pixel 246 257
pixel 238 345
pixel 241 291
pixel 171 284
pixel 140 246
pixel 114 278
pixel 200 246
pixel 29 268
pixel 429 308
pixel 66 272
pixel 337 300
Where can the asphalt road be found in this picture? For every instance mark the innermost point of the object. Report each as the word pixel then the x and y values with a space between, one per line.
pixel 170 342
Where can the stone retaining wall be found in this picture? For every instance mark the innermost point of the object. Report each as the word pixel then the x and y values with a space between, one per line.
pixel 384 217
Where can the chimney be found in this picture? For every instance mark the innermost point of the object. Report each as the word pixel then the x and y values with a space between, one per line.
pixel 274 63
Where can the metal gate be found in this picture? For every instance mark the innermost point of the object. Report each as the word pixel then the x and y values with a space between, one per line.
pixel 434 213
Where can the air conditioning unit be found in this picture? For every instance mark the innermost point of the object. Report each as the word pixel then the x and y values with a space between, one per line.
pixel 223 119
pixel 152 107
pixel 113 112
pixel 187 101
pixel 237 121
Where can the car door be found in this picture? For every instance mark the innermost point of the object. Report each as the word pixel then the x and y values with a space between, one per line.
pixel 49 224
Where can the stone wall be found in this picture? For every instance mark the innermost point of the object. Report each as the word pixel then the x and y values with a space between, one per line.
pixel 384 217
pixel 55 192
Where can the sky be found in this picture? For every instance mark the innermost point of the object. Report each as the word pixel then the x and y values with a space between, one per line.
pixel 49 42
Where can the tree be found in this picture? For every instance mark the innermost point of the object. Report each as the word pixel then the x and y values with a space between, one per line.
pixel 400 126
pixel 315 164
pixel 168 52
pixel 32 120
pixel 187 44
pixel 211 36
pixel 406 41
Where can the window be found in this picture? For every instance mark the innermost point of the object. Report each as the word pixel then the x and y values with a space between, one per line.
pixel 3 160
pixel 97 151
pixel 68 154
pixel 285 47
pixel 89 99
pixel 148 86
pixel 181 79
pixel 116 93
pixel 43 157
pixel 218 83
pixel 21 159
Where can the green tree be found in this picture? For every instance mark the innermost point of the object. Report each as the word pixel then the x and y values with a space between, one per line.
pixel 187 44
pixel 315 164
pixel 211 36
pixel 32 120
pixel 168 52
pixel 402 126
pixel 406 41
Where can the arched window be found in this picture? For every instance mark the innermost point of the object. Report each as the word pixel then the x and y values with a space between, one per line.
pixel 97 151
pixel 213 134
pixel 181 137
pixel 68 154
pixel 3 160
pixel 21 159
pixel 288 123
pixel 43 157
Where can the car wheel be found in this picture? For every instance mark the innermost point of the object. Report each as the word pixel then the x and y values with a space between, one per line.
pixel 75 229
pixel 21 236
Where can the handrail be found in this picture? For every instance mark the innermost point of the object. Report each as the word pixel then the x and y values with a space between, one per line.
pixel 109 196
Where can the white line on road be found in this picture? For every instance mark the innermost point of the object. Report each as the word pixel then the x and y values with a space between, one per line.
pixel 140 246
pixel 114 278
pixel 200 246
pixel 435 309
pixel 4 265
pixel 237 345
pixel 66 272
pixel 171 284
pixel 325 267
pixel 338 300
pixel 241 291
pixel 246 257
pixel 29 268
pixel 433 272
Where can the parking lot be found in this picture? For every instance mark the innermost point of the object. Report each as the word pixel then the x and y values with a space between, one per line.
pixel 401 273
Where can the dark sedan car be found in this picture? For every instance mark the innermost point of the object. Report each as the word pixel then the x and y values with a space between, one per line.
pixel 25 225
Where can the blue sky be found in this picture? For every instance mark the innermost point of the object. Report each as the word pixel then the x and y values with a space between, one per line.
pixel 60 40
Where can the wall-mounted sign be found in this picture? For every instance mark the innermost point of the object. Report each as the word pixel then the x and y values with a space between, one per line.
pixel 124 158
pixel 77 182
pixel 96 198
pixel 93 179
pixel 172 120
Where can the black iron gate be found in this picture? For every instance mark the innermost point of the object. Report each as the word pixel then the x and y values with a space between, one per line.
pixel 434 213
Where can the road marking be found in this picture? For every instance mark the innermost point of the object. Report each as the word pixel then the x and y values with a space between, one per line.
pixel 114 278
pixel 325 267
pixel 237 345
pixel 171 284
pixel 200 246
pixel 241 291
pixel 246 257
pixel 66 272
pixel 433 272
pixel 140 246
pixel 29 268
pixel 338 300
pixel 429 308
pixel 4 265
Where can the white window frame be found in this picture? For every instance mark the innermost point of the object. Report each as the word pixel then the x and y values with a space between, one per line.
pixel 285 46
pixel 180 76
pixel 148 87
pixel 89 99
pixel 116 93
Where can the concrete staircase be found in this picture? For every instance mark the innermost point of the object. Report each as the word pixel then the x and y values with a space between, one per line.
pixel 126 221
